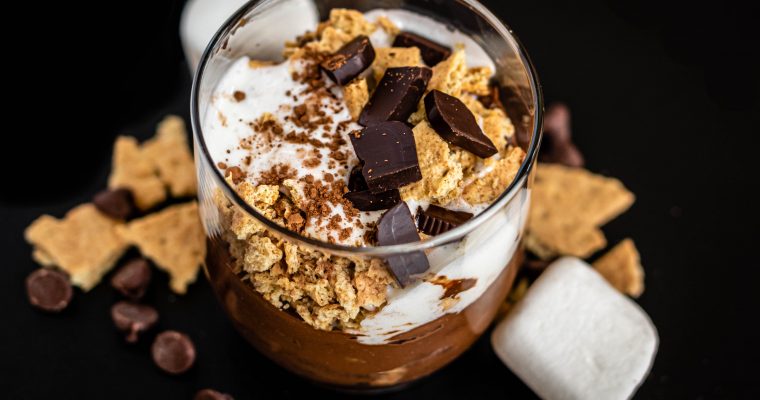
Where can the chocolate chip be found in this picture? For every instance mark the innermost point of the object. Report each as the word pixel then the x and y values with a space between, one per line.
pixel 116 203
pixel 48 289
pixel 454 122
pixel 557 146
pixel 396 226
pixel 173 352
pixel 349 61
pixel 133 319
pixel 211 394
pixel 132 279
pixel 365 200
pixel 436 220
pixel 432 52
pixel 396 96
pixel 389 155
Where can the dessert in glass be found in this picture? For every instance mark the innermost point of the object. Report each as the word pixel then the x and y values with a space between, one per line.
pixel 364 180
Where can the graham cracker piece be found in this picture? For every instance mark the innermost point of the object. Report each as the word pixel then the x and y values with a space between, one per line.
pixel 391 57
pixel 254 64
pixel 494 122
pixel 476 79
pixel 549 239
pixel 387 25
pixel 441 174
pixel 84 243
pixel 330 40
pixel 578 196
pixel 621 267
pixel 351 22
pixel 372 285
pixel 356 95
pixel 133 169
pixel 173 238
pixel 568 205
pixel 447 77
pixel 340 279
pixel 501 173
pixel 261 254
pixel 170 153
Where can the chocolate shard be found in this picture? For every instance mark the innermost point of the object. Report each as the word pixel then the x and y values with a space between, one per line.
pixel 349 61
pixel 557 145
pixel 389 156
pixel 356 181
pixel 116 203
pixel 396 226
pixel 396 96
pixel 454 122
pixel 364 200
pixel 436 220
pixel 518 111
pixel 432 52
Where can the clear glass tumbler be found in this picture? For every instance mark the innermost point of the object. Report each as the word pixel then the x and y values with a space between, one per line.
pixel 472 266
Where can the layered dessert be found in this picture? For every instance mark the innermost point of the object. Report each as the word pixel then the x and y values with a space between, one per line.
pixel 377 129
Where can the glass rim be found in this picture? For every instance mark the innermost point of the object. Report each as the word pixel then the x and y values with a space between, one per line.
pixel 448 237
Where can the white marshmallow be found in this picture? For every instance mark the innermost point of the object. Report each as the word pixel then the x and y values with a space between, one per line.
pixel 575 337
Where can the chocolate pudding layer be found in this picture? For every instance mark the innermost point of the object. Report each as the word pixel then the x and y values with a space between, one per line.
pixel 338 358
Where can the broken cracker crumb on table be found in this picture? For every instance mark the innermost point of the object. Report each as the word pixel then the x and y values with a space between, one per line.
pixel 621 267
pixel 170 153
pixel 173 239
pixel 84 243
pixel 133 169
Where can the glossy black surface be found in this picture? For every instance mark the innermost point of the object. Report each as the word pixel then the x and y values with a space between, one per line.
pixel 664 97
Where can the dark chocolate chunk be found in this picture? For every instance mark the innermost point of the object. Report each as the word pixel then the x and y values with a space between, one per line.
pixel 116 203
pixel 132 279
pixel 133 319
pixel 518 111
pixel 436 220
pixel 48 289
pixel 432 52
pixel 211 394
pixel 365 200
pixel 454 122
pixel 349 61
pixel 396 226
pixel 557 145
pixel 173 352
pixel 356 181
pixel 388 154
pixel 396 96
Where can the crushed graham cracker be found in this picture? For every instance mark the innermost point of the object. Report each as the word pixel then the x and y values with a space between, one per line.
pixel 391 57
pixel 501 172
pixel 84 243
pixel 441 174
pixel 356 95
pixel 387 25
pixel 621 267
pixel 174 239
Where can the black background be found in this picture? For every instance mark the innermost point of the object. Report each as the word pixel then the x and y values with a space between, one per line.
pixel 664 97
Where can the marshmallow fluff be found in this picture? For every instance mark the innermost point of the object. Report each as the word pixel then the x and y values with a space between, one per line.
pixel 479 257
pixel 573 336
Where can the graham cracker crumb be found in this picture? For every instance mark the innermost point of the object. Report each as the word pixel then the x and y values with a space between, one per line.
pixel 568 205
pixel 494 122
pixel 356 95
pixel 173 238
pixel 486 188
pixel 261 254
pixel 134 170
pixel 351 22
pixel 441 174
pixel 372 285
pixel 170 153
pixel 260 63
pixel 448 75
pixel 387 25
pixel 621 267
pixel 84 243
pixel 476 80
pixel 391 57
